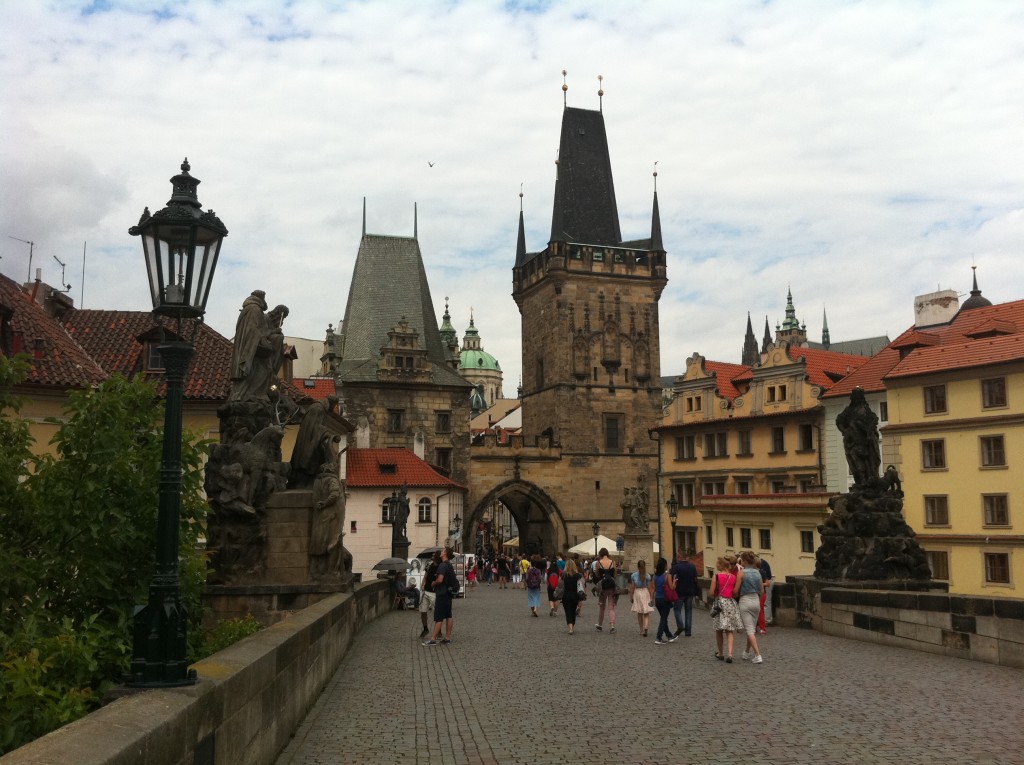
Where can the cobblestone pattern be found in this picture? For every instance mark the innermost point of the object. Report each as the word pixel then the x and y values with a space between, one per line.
pixel 514 689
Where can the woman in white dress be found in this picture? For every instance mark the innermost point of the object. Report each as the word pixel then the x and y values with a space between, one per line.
pixel 641 585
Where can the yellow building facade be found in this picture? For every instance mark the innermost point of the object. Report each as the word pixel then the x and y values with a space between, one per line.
pixel 741 451
pixel 956 420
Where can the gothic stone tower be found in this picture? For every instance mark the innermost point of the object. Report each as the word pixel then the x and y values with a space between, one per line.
pixel 589 307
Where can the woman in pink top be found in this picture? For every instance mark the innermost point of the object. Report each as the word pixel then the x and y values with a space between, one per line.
pixel 728 620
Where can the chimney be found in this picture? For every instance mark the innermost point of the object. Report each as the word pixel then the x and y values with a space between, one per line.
pixel 935 308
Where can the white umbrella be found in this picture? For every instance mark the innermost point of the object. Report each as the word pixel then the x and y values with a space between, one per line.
pixel 587 547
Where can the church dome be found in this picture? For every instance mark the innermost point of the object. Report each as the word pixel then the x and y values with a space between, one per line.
pixel 473 359
pixel 976 300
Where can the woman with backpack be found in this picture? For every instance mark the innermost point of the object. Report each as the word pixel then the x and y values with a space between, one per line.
pixel 534 580
pixel 554 574
pixel 604 575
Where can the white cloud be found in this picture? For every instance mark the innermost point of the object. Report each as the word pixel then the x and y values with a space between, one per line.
pixel 859 153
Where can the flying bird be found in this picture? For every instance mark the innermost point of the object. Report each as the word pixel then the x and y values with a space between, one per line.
pixel 430 163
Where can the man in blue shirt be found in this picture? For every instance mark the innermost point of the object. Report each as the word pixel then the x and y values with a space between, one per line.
pixel 687 589
pixel 443 600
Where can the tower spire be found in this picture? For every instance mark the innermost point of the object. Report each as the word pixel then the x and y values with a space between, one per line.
pixel 750 356
pixel 364 216
pixel 826 339
pixel 600 94
pixel 521 241
pixel 656 241
pixel 415 222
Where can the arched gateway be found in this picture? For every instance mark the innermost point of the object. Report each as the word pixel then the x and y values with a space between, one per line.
pixel 538 524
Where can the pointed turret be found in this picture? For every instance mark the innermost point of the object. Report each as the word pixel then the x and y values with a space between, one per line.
pixel 826 340
pixel 975 300
pixel 791 331
pixel 751 357
pixel 656 243
pixel 449 337
pixel 521 242
pixel 767 340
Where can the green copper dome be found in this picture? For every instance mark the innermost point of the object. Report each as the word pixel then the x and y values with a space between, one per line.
pixel 478 360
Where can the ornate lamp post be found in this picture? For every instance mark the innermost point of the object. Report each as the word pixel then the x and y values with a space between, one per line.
pixel 456 530
pixel 596 528
pixel 181 244
pixel 673 512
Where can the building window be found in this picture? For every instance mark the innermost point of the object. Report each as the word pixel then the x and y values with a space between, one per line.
pixel 613 432
pixel 716 445
pixel 778 440
pixel 709 536
pixel 687 495
pixel 426 510
pixel 729 541
pixel 933 454
pixel 807 485
pixel 746 540
pixel 992 452
pixel 938 562
pixel 743 486
pixel 154 361
pixel 936 510
pixel 993 393
pixel 385 512
pixel 806 436
pixel 688 540
pixel 396 420
pixel 778 486
pixel 996 510
pixel 775 394
pixel 935 399
pixel 443 459
pixel 710 488
pixel 743 443
pixel 686 448
pixel 443 422
pixel 883 411
pixel 997 568
pixel 806 541
pixel 693 403
pixel 765 538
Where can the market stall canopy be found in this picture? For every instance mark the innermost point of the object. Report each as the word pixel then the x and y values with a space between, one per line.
pixel 586 547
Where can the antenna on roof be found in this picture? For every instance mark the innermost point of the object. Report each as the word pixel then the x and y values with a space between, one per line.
pixel 67 287
pixel 364 216
pixel 565 89
pixel 600 93
pixel 520 197
pixel 415 222
pixel 81 293
pixel 655 176
pixel 31 247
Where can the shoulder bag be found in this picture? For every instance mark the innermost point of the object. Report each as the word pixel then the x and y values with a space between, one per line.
pixel 671 596
pixel 560 589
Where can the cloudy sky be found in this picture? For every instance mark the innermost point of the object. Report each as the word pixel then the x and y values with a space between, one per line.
pixel 860 153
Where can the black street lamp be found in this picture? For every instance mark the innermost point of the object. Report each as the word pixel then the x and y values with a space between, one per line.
pixel 596 528
pixel 673 512
pixel 181 244
pixel 456 530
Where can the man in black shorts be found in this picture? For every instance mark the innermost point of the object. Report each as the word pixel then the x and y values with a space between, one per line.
pixel 443 600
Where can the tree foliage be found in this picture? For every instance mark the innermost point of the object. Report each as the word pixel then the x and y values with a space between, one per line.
pixel 77 542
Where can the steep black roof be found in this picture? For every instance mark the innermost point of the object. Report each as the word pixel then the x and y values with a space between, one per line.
pixel 584 210
pixel 389 283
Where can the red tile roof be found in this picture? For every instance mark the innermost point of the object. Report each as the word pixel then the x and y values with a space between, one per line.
pixel 57 360
pixel 365 468
pixel 111 338
pixel 726 376
pixel 317 388
pixel 823 367
pixel 973 338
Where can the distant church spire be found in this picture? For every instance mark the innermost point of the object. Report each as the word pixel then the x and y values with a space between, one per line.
pixel 767 340
pixel 521 242
pixel 975 300
pixel 750 356
pixel 656 241
pixel 826 340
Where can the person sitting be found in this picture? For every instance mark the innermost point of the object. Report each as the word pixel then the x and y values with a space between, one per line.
pixel 412 596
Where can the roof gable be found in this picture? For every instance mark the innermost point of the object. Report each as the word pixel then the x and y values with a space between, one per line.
pixel 391 468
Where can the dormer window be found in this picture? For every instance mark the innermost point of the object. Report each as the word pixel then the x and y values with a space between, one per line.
pixel 154 361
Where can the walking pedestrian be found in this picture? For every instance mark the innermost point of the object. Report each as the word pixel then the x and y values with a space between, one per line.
pixel 503 572
pixel 687 588
pixel 662 581
pixel 727 622
pixel 764 618
pixel 571 582
pixel 605 570
pixel 641 584
pixel 444 584
pixel 427 598
pixel 751 596
pixel 524 566
pixel 554 574
pixel 534 580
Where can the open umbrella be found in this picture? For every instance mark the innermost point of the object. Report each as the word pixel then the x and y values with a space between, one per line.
pixel 429 552
pixel 392 564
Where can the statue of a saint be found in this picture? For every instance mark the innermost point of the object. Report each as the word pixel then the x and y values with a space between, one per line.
pixel 859 426
pixel 634 508
pixel 400 508
pixel 257 352
pixel 308 454
pixel 328 519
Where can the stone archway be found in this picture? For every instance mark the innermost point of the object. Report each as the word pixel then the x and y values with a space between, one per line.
pixel 541 525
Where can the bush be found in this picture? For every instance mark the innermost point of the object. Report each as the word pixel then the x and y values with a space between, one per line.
pixel 227 633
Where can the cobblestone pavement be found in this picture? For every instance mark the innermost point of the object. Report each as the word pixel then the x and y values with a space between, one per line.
pixel 515 689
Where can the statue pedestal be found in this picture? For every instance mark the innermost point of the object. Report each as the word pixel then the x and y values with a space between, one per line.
pixel 400 549
pixel 281 582
pixel 639 546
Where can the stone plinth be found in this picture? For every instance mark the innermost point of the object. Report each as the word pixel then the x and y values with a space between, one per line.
pixel 639 546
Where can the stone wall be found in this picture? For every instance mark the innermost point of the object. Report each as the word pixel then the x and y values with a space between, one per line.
pixel 249 700
pixel 967 627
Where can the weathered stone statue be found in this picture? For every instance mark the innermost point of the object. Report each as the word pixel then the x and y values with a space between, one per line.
pixel 257 352
pixel 634 506
pixel 859 426
pixel 400 504
pixel 866 537
pixel 328 520
pixel 308 455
